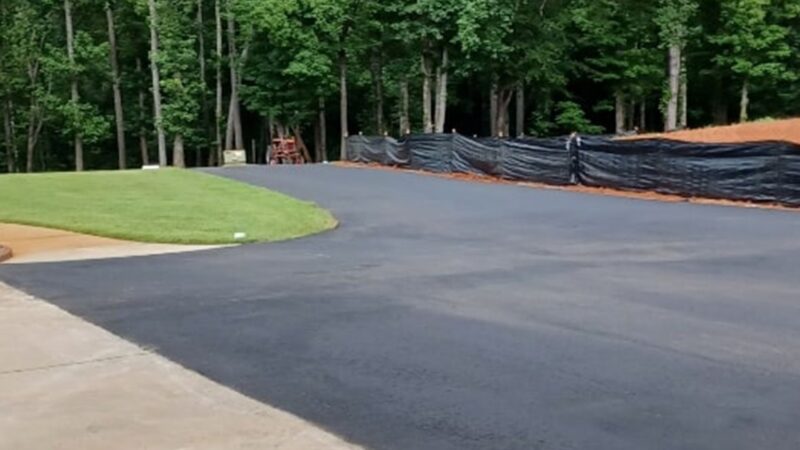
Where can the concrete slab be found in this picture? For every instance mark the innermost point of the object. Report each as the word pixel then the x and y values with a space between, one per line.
pixel 67 384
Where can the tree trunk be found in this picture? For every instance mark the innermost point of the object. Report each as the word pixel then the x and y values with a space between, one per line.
pixel 35 119
pixel 377 86
pixel 267 141
pixel 238 133
pixel 744 103
pixel 619 109
pixel 234 118
pixel 35 123
pixel 671 121
pixel 427 117
pixel 441 91
pixel 630 115
pixel 201 59
pixel 501 118
pixel 520 128
pixel 683 118
pixel 230 137
pixel 270 139
pixel 13 135
pixel 317 138
pixel 322 150
pixel 343 126
pixel 30 144
pixel 115 84
pixel 143 149
pixel 301 145
pixel 405 123
pixel 504 97
pixel 8 135
pixel 719 103
pixel 493 98
pixel 75 96
pixel 157 108
pixel 217 159
pixel 178 152
pixel 643 115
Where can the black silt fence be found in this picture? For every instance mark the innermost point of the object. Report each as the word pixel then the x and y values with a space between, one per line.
pixel 538 160
pixel 759 172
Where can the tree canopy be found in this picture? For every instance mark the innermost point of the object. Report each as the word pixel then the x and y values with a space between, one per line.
pixel 183 80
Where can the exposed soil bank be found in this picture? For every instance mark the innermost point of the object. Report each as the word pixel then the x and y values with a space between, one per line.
pixel 778 130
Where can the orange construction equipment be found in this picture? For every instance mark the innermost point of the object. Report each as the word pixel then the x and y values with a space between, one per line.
pixel 284 151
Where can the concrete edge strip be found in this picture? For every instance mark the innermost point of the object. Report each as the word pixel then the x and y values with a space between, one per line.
pixel 269 427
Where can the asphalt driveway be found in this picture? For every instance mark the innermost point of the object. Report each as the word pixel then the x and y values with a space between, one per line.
pixel 451 315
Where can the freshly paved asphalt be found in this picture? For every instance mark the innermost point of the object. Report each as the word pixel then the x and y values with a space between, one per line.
pixel 449 315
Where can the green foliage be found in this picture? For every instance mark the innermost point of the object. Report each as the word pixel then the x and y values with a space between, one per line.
pixel 754 40
pixel 620 42
pixel 180 80
pixel 675 21
pixel 573 57
pixel 82 118
pixel 570 117
pixel 293 55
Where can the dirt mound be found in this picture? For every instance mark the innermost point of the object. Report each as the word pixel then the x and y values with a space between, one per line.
pixel 774 130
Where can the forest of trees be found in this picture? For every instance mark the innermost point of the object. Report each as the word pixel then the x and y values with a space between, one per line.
pixel 102 84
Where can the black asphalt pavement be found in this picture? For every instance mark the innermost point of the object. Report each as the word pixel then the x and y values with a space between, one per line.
pixel 452 315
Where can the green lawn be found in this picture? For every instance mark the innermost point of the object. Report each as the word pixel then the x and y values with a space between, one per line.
pixel 166 206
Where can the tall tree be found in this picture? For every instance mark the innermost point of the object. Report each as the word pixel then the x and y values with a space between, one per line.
pixel 234 137
pixel 75 96
pixel 619 42
pixel 674 18
pixel 27 47
pixel 144 149
pixel 156 77
pixel 436 22
pixel 7 90
pixel 754 45
pixel 8 136
pixel 181 83
pixel 115 83
pixel 495 40
pixel 201 60
pixel 218 55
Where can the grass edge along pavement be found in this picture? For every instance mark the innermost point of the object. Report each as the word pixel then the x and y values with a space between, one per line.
pixel 170 206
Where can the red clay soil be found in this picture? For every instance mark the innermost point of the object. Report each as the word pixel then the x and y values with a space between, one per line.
pixel 641 195
pixel 776 130
pixel 5 253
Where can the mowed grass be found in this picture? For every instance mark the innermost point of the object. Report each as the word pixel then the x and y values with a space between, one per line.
pixel 164 206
